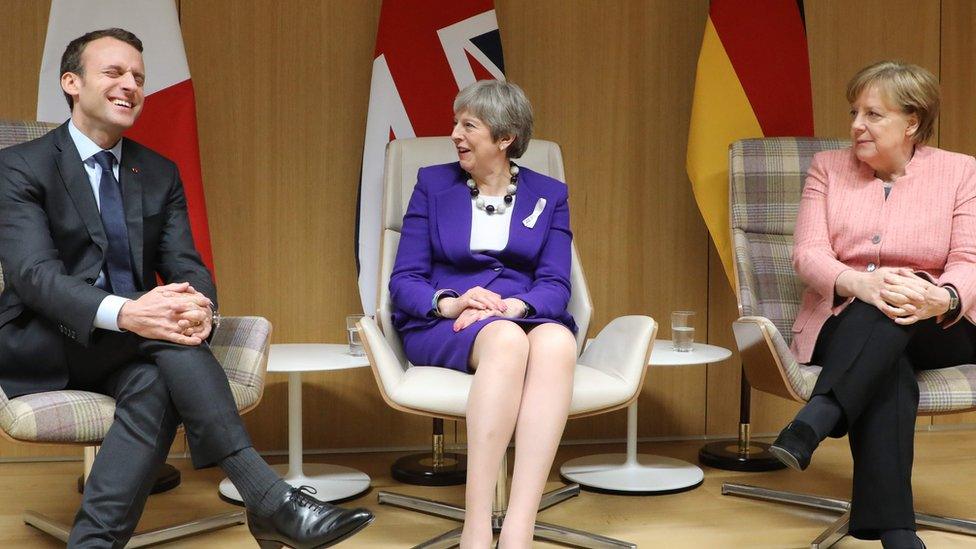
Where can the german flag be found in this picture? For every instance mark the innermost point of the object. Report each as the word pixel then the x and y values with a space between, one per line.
pixel 753 80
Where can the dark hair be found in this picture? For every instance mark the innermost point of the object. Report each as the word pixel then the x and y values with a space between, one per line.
pixel 71 59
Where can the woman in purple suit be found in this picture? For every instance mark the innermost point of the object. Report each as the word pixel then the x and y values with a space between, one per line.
pixel 480 285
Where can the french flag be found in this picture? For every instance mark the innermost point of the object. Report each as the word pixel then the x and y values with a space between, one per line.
pixel 168 123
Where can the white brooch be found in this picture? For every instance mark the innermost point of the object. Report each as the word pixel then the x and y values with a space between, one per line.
pixel 539 206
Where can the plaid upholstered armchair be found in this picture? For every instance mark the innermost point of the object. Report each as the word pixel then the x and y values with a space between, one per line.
pixel 82 418
pixel 766 179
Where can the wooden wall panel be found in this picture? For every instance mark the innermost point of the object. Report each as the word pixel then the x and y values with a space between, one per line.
pixel 282 92
pixel 612 84
pixel 845 36
pixel 957 127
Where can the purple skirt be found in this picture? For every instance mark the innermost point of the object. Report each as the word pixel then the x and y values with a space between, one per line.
pixel 440 345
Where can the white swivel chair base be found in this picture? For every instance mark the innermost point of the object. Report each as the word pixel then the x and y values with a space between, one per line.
pixel 60 530
pixel 544 531
pixel 838 529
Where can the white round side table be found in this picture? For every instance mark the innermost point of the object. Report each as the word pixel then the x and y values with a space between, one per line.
pixel 641 473
pixel 331 482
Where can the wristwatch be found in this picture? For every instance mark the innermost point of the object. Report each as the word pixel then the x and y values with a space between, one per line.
pixel 214 318
pixel 446 292
pixel 953 299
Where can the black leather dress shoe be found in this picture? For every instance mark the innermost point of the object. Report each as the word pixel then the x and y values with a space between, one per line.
pixel 795 445
pixel 303 522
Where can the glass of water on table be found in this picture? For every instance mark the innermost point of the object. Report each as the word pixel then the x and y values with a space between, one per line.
pixel 355 341
pixel 683 331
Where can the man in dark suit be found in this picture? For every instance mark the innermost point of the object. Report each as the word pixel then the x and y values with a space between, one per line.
pixel 87 221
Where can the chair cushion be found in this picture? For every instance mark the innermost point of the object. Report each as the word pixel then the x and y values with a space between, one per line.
pixel 941 390
pixel 947 389
pixel 445 391
pixel 58 416
pixel 77 416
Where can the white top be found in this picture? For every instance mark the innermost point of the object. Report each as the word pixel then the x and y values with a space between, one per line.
pixel 312 357
pixel 490 232
pixel 664 354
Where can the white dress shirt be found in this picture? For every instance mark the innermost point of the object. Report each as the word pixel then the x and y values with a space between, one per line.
pixel 107 316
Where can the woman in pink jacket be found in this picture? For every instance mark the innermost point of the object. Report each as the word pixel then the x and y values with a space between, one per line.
pixel 886 244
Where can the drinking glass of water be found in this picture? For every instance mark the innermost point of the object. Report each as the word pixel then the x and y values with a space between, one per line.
pixel 683 331
pixel 355 342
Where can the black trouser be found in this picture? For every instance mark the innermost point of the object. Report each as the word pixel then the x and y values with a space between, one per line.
pixel 868 367
pixel 156 385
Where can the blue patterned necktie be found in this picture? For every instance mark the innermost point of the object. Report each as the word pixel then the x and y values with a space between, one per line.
pixel 118 265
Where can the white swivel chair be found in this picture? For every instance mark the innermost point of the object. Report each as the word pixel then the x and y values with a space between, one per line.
pixel 609 374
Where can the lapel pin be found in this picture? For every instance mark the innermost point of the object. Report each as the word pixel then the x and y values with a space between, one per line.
pixel 539 206
pixel 135 170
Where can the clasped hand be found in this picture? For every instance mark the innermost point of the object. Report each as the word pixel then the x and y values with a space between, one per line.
pixel 174 312
pixel 478 304
pixel 902 295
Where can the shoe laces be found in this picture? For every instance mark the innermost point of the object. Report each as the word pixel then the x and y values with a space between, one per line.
pixel 304 495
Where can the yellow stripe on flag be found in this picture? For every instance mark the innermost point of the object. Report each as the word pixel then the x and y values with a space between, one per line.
pixel 720 114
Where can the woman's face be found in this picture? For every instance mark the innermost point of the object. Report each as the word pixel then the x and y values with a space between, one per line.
pixel 881 133
pixel 476 150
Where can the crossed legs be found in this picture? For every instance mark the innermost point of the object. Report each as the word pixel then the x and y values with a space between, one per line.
pixel 523 382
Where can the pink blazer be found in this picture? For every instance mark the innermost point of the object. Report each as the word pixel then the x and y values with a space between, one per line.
pixel 928 224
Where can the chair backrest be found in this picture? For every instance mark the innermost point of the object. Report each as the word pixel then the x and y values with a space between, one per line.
pixel 15 132
pixel 403 158
pixel 766 179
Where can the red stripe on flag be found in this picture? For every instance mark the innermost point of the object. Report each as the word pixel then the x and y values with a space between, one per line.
pixel 168 125
pixel 408 38
pixel 480 72
pixel 767 45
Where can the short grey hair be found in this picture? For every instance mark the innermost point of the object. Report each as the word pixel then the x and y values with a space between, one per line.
pixel 503 107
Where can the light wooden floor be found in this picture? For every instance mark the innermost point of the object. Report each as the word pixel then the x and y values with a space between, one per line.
pixel 945 483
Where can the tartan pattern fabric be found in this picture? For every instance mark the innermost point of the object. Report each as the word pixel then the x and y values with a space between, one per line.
pixel 58 416
pixel 240 345
pixel 14 132
pixel 766 179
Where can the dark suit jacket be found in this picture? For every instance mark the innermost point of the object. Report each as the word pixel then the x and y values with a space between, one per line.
pixel 52 244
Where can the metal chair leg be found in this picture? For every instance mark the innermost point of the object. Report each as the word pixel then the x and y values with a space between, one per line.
pixel 833 533
pixel 947 524
pixel 443 541
pixel 60 530
pixel 558 495
pixel 423 505
pixel 578 538
pixel 550 532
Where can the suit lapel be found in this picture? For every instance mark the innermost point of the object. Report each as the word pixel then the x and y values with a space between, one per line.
pixel 453 210
pixel 129 178
pixel 78 186
pixel 522 240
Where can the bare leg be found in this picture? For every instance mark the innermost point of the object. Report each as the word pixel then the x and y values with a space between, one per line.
pixel 546 397
pixel 498 357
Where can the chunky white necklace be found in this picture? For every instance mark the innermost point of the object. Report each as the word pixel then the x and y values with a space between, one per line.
pixel 490 209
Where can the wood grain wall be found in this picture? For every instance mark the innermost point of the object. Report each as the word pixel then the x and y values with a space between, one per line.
pixel 282 91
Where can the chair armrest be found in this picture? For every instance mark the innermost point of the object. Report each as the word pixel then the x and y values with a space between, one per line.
pixel 241 344
pixel 622 348
pixel 766 358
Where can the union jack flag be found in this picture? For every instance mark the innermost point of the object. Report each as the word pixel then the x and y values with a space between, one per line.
pixel 425 52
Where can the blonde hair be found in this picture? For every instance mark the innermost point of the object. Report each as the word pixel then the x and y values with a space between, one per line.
pixel 910 88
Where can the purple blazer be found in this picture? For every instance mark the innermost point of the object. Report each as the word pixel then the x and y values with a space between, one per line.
pixel 434 251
